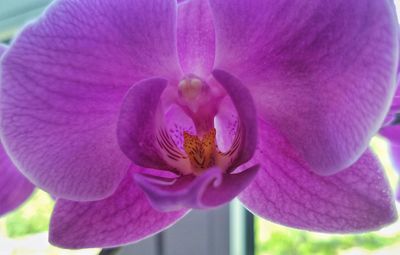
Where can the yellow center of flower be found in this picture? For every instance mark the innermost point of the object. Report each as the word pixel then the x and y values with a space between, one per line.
pixel 202 151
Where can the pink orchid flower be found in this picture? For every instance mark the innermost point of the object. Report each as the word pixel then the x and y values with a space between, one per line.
pixel 132 112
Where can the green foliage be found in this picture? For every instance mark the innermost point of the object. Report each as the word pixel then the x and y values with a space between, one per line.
pixel 32 217
pixel 287 241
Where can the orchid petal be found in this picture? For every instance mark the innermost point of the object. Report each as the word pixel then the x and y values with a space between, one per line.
pixel 243 102
pixel 137 123
pixel 196 37
pixel 212 188
pixel 14 187
pixel 392 133
pixel 122 218
pixel 232 185
pixel 322 73
pixel 394 108
pixel 286 191
pixel 63 80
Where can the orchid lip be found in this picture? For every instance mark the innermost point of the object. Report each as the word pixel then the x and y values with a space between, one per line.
pixel 184 141
pixel 200 149
pixel 157 130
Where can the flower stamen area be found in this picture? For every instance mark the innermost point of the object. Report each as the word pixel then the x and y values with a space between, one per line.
pixel 202 151
pixel 197 150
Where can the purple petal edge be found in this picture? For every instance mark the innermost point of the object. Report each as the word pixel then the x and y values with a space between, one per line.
pixel 125 217
pixel 15 189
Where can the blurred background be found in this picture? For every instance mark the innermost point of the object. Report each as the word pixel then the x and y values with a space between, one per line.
pixel 226 230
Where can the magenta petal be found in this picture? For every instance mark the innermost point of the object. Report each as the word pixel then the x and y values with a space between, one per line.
pixel 63 81
pixel 137 123
pixel 14 187
pixel 394 111
pixel 122 218
pixel 322 72
pixel 232 185
pixel 196 37
pixel 394 108
pixel 243 102
pixel 212 188
pixel 392 133
pixel 286 191
pixel 185 192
